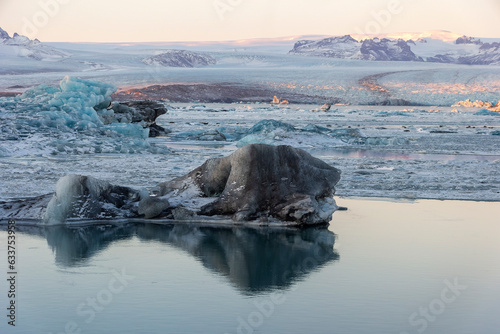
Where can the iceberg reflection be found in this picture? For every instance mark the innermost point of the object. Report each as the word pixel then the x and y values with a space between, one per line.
pixel 253 259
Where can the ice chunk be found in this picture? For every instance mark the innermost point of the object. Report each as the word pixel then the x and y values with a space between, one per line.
pixel 315 129
pixel 486 112
pixel 152 207
pixel 84 197
pixel 129 130
pixel 210 135
pixel 267 131
pixel 392 113
pixel 274 132
pixel 270 125
pixel 75 100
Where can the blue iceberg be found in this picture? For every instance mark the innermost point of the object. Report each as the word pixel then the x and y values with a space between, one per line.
pixel 486 112
pixel 69 118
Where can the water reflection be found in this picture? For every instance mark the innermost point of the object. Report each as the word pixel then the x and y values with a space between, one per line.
pixel 253 259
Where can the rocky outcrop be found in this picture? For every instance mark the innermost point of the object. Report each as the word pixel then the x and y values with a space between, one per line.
pixel 144 112
pixel 468 40
pixel 4 35
pixel 262 183
pixel 228 92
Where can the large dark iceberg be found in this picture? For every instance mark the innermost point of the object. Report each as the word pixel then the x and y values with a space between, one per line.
pixel 258 183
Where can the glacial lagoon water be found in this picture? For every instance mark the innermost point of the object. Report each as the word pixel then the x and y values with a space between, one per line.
pixel 383 266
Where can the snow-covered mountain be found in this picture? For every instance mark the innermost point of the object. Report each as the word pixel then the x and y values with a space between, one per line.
pixel 386 49
pixel 346 47
pixel 431 48
pixel 489 53
pixel 333 47
pixel 180 58
pixel 22 46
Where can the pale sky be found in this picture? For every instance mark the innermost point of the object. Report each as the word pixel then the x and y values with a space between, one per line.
pixel 212 20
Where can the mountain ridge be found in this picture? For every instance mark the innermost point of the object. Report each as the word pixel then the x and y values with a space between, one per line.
pixel 464 50
pixel 23 46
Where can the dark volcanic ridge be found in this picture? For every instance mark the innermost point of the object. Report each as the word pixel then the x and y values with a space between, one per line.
pixel 233 93
pixel 217 93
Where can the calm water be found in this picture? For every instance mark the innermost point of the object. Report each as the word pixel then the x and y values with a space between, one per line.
pixel 380 267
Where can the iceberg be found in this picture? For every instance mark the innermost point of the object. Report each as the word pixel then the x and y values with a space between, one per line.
pixel 77 116
pixel 273 132
pixel 84 196
pixel 258 184
pixel 129 130
pixel 76 102
pixel 486 112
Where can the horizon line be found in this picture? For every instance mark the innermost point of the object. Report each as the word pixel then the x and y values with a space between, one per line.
pixel 282 38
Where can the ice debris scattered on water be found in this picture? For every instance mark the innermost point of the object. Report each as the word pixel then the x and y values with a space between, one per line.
pixel 486 112
pixel 75 117
pixel 273 132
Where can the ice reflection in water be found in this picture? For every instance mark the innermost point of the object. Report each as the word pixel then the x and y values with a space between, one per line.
pixel 254 260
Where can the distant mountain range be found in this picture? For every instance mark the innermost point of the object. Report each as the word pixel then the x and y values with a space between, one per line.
pixel 432 46
pixel 22 46
pixel 463 50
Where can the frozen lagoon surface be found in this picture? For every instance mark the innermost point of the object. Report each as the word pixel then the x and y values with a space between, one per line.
pixel 381 267
pixel 382 151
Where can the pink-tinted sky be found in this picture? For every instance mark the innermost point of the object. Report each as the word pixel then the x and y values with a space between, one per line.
pixel 208 20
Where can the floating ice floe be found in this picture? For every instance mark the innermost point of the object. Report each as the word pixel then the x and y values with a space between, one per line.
pixel 486 112
pixel 273 132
